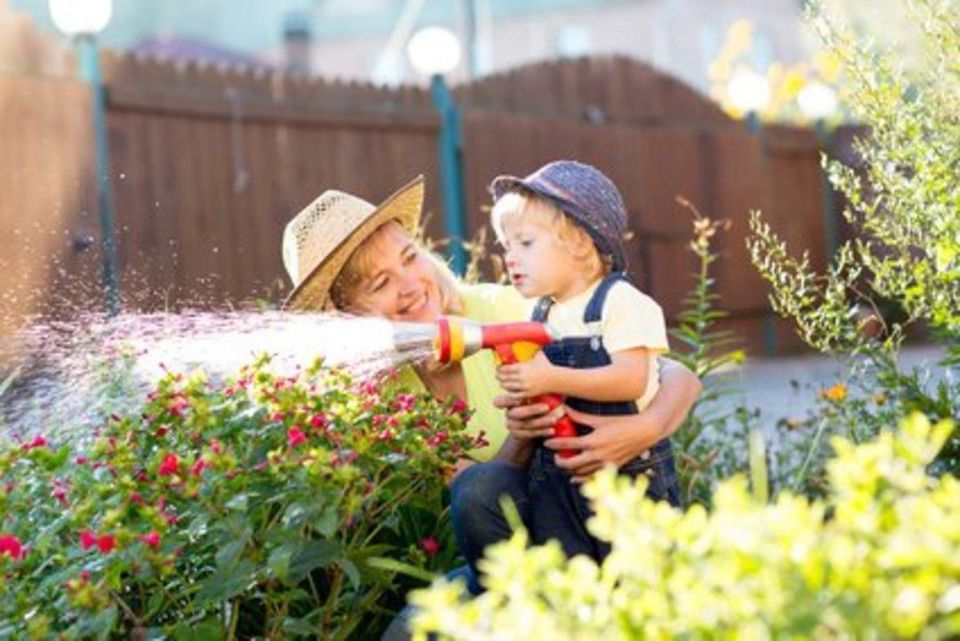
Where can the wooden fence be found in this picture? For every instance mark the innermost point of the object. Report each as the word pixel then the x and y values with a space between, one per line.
pixel 208 164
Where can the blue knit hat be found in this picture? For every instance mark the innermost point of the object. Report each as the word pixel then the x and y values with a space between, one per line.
pixel 584 194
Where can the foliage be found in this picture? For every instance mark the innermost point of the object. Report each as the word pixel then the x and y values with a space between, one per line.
pixel 904 199
pixel 786 81
pixel 712 442
pixel 875 559
pixel 269 506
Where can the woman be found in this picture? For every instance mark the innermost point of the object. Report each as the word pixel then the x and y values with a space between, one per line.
pixel 345 254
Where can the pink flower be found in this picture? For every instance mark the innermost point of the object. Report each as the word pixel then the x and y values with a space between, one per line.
pixel 215 446
pixel 135 498
pixel 10 546
pixel 38 441
pixel 318 421
pixel 405 402
pixel 385 435
pixel 459 406
pixel 87 539
pixel 80 460
pixel 150 538
pixel 60 493
pixel 295 436
pixel 169 466
pixel 198 467
pixel 430 545
pixel 437 439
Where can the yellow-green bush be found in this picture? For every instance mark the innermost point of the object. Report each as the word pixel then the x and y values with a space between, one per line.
pixel 878 558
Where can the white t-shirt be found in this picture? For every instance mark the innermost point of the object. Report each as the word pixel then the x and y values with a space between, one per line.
pixel 629 319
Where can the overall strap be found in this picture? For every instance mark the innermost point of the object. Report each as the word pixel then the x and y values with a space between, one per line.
pixel 594 310
pixel 542 309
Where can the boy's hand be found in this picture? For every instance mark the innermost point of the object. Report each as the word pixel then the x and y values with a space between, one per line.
pixel 528 379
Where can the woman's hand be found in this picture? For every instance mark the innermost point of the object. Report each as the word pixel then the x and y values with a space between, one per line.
pixel 528 421
pixel 614 441
pixel 531 378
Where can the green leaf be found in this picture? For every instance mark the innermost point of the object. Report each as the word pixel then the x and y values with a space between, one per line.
pixel 99 625
pixel 207 630
pixel 326 524
pixel 309 555
pixel 229 553
pixel 349 569
pixel 227 581
pixel 239 502
pixel 392 565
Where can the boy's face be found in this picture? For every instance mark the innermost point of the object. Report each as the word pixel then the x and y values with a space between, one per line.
pixel 535 258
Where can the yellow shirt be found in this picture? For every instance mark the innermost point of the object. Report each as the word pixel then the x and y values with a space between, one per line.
pixel 629 319
pixel 484 303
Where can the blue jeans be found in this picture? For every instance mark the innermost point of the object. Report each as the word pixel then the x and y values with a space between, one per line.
pixel 475 510
pixel 549 505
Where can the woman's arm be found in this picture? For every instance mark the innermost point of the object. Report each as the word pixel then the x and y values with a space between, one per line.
pixel 615 439
pixel 516 451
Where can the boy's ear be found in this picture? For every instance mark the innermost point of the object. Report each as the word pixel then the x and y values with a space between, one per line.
pixel 581 246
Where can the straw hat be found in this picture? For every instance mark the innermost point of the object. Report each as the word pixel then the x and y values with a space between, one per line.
pixel 318 242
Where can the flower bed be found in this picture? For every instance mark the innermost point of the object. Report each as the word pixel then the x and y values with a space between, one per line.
pixel 266 506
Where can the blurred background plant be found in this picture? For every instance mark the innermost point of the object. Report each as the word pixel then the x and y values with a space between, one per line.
pixel 905 203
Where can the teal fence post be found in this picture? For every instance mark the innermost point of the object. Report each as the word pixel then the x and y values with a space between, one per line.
pixel 88 60
pixel 451 171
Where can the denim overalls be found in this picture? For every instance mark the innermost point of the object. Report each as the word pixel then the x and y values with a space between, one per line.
pixel 557 508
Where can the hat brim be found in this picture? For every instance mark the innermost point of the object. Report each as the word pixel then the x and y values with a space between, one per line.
pixel 504 184
pixel 313 293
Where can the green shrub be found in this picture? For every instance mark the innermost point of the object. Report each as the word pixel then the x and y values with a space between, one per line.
pixel 904 200
pixel 269 506
pixel 877 559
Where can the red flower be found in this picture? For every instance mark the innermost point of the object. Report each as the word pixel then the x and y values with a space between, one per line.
pixel 80 460
pixel 430 545
pixel 151 538
pixel 318 421
pixel 459 406
pixel 10 545
pixel 169 466
pixel 106 543
pixel 87 539
pixel 136 498
pixel 295 436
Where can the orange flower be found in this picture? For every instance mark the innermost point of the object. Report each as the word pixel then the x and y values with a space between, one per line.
pixel 837 393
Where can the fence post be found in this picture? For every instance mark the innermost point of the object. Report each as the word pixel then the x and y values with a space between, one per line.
pixel 89 63
pixel 451 170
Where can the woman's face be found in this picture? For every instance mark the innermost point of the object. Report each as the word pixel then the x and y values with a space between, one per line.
pixel 398 281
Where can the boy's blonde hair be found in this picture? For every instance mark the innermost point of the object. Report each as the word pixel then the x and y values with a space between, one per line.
pixel 519 203
pixel 343 291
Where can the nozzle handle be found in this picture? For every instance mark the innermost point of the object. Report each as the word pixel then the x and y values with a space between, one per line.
pixel 564 426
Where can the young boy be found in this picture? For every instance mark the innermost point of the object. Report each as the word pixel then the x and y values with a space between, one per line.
pixel 562 229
